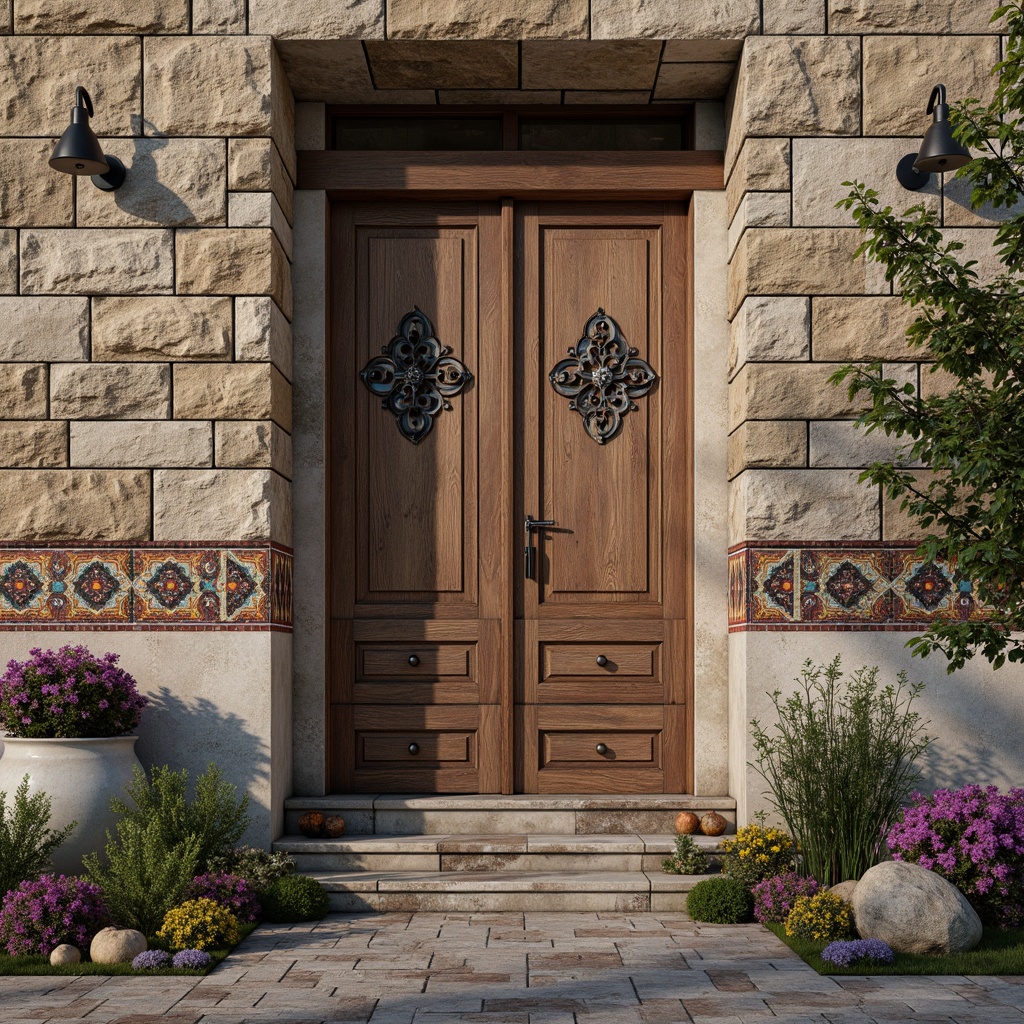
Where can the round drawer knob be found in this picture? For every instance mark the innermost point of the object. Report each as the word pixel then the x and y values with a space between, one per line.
pixel 414 660
pixel 602 749
pixel 602 660
pixel 414 748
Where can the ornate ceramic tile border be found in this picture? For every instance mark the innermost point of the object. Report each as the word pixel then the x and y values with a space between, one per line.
pixel 854 586
pixel 146 586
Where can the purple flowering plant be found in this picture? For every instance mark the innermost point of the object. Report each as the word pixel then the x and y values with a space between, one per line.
pixel 151 960
pixel 191 959
pixel 774 896
pixel 231 891
pixel 974 838
pixel 40 915
pixel 70 693
pixel 848 952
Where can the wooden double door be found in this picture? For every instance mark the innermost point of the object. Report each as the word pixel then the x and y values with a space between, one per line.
pixel 491 363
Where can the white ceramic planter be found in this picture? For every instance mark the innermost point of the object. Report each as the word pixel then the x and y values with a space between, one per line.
pixel 79 776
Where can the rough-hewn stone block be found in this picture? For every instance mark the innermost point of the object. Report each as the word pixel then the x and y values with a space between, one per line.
pixel 37 328
pixel 30 194
pixel 254 165
pixel 765 391
pixel 233 261
pixel 817 186
pixel 796 85
pixel 319 19
pixel 759 210
pixel 470 19
pixel 218 17
pixel 23 391
pixel 57 504
pixel 556 64
pixel 900 71
pixel 215 85
pixel 918 16
pixel 801 261
pixel 40 104
pixel 808 504
pixel 221 505
pixel 232 391
pixel 762 165
pixel 262 334
pixel 100 17
pixel 8 261
pixel 101 261
pixel 110 391
pixel 703 48
pixel 669 19
pixel 703 81
pixel 897 524
pixel 842 444
pixel 770 330
pixel 794 17
pixel 161 328
pixel 477 64
pixel 862 329
pixel 260 210
pixel 766 444
pixel 142 443
pixel 255 444
pixel 170 182
pixel 42 443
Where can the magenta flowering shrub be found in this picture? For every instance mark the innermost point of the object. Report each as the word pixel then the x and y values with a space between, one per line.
pixel 974 838
pixel 231 891
pixel 38 916
pixel 774 897
pixel 66 694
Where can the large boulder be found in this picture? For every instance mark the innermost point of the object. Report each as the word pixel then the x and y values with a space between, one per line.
pixel 117 946
pixel 914 910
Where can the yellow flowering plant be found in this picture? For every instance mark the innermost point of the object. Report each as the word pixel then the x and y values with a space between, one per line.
pixel 824 917
pixel 199 924
pixel 756 852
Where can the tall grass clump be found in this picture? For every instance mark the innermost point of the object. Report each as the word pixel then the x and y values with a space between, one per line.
pixel 840 761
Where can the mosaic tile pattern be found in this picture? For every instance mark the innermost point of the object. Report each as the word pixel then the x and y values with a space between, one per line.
pixel 146 586
pixel 863 586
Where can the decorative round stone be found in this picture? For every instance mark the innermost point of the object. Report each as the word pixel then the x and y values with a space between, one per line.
pixel 65 954
pixel 334 825
pixel 687 823
pixel 311 824
pixel 713 824
pixel 117 946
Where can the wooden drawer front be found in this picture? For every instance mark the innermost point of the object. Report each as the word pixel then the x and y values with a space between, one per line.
pixel 454 749
pixel 635 748
pixel 570 673
pixel 416 673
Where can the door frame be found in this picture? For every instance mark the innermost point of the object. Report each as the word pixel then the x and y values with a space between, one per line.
pixel 506 176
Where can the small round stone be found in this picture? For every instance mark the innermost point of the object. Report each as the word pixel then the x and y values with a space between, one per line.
pixel 65 954
pixel 687 823
pixel 334 826
pixel 713 824
pixel 117 946
pixel 311 824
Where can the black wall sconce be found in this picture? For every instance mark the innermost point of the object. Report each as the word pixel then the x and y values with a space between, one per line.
pixel 79 151
pixel 939 152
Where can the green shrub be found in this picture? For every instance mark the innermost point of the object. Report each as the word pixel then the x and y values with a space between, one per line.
pixel 26 843
pixel 688 859
pixel 143 877
pixel 720 901
pixel 258 867
pixel 295 898
pixel 823 917
pixel 839 764
pixel 215 818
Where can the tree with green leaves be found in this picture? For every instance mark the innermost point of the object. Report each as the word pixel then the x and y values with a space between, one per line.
pixel 969 435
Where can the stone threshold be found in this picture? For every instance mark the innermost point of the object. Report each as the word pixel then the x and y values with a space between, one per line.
pixel 439 844
pixel 514 802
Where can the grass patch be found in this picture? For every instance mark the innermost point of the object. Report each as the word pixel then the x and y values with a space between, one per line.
pixel 34 965
pixel 999 952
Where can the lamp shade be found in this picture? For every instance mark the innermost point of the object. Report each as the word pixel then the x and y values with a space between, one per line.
pixel 939 151
pixel 79 151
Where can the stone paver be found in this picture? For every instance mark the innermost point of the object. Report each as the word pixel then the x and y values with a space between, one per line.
pixel 512 968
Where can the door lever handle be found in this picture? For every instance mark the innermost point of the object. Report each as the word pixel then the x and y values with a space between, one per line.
pixel 530 559
pixel 536 524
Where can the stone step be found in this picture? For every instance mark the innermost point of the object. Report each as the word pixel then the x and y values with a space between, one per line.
pixel 484 891
pixel 486 853
pixel 570 814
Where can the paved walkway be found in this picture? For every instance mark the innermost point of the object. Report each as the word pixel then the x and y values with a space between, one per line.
pixel 511 968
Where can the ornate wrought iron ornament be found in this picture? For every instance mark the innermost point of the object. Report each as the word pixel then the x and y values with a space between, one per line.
pixel 602 377
pixel 415 376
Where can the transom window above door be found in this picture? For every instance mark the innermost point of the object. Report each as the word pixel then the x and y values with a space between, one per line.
pixel 527 129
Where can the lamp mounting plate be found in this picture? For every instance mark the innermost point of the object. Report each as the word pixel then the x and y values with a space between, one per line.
pixel 912 180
